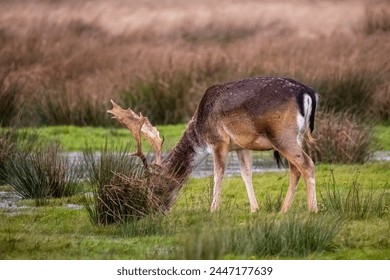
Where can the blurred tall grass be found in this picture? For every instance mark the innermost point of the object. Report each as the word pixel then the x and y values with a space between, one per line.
pixel 70 69
pixel 62 72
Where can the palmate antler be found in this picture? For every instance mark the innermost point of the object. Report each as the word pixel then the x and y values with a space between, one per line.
pixel 139 125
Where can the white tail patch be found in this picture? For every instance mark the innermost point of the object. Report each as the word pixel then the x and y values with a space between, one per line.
pixel 303 121
pixel 301 128
pixel 307 103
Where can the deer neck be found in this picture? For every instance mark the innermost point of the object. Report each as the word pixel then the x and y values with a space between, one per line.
pixel 189 152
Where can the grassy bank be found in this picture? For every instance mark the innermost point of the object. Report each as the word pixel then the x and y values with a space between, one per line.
pixel 58 231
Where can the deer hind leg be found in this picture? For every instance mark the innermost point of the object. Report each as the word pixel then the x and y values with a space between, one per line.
pixel 245 159
pixel 298 158
pixel 292 187
pixel 220 154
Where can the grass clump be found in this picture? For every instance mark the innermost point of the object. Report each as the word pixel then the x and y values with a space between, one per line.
pixel 12 141
pixel 123 189
pixel 42 174
pixel 272 203
pixel 264 236
pixel 354 202
pixel 341 138
pixel 126 198
pixel 6 148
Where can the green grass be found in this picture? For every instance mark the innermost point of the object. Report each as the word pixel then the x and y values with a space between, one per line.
pixel 74 138
pixel 57 232
pixel 382 134
pixel 42 174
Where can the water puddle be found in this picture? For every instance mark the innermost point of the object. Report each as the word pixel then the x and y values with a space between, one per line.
pixel 9 199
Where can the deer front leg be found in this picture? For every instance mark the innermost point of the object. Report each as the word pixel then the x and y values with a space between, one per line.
pixel 220 154
pixel 245 159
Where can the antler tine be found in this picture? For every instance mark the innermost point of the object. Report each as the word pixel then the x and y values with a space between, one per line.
pixel 139 125
pixel 152 135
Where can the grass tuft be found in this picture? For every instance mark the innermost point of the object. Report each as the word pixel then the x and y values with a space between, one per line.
pixel 12 141
pixel 123 189
pixel 272 203
pixel 42 174
pixel 264 236
pixel 354 202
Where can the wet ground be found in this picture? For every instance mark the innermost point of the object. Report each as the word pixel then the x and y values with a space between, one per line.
pixel 261 163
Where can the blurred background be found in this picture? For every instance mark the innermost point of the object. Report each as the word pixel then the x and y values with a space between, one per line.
pixel 62 61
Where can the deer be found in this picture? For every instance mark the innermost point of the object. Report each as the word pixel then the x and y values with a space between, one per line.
pixel 253 114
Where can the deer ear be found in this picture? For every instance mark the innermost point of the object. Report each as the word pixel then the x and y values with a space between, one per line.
pixel 139 125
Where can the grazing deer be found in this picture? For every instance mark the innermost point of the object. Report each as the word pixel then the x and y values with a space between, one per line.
pixel 255 114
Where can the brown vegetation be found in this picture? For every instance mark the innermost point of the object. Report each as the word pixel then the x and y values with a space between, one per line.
pixel 129 198
pixel 73 57
pixel 123 189
pixel 341 138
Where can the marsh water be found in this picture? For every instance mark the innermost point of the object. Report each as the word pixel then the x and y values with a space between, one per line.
pixel 262 162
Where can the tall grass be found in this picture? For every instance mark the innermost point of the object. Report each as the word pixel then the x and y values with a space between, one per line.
pixel 264 236
pixel 162 67
pixel 13 141
pixel 7 146
pixel 377 19
pixel 42 174
pixel 273 204
pixel 63 107
pixel 354 201
pixel 165 100
pixel 381 103
pixel 348 91
pixel 341 137
pixel 101 170
pixel 9 100
pixel 123 189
